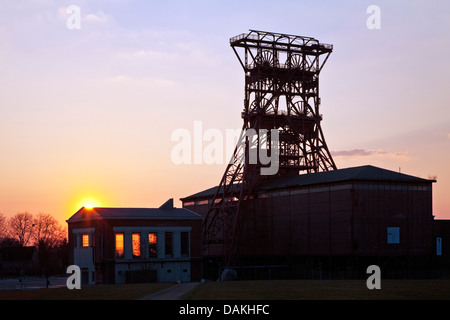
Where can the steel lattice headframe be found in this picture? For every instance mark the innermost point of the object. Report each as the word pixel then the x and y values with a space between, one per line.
pixel 281 93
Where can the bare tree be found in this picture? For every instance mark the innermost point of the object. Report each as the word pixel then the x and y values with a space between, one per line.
pixel 48 235
pixel 46 229
pixel 20 227
pixel 3 226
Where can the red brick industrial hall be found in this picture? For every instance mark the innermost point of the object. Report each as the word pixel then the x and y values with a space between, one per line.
pixel 334 225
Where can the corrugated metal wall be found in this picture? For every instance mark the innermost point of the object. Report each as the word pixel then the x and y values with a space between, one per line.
pixel 338 219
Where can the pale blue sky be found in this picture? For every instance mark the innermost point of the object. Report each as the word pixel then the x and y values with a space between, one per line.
pixel 90 112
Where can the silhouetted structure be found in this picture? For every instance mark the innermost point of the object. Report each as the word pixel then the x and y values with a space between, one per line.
pixel 441 246
pixel 331 224
pixel 281 93
pixel 19 261
pixel 130 245
pixel 310 219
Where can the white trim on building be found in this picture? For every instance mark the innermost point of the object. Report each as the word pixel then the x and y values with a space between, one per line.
pixel 84 255
pixel 168 267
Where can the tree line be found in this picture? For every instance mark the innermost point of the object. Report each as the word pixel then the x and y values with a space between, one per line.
pixel 25 229
pixel 41 231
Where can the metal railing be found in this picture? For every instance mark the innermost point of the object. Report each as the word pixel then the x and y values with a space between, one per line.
pixel 312 69
pixel 252 36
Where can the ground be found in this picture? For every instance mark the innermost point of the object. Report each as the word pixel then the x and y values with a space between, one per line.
pixel 322 290
pixel 59 291
pixel 254 290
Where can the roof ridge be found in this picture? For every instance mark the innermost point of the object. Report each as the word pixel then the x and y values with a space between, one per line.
pixel 359 173
pixel 133 213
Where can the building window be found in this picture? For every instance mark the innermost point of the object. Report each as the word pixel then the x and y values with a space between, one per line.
pixel 136 240
pixel 393 235
pixel 119 245
pixel 169 244
pixel 184 239
pixel 152 245
pixel 85 240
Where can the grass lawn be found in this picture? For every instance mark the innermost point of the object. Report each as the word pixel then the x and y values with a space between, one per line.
pixel 99 292
pixel 254 290
pixel 321 289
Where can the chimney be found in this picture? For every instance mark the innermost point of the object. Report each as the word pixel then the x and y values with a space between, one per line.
pixel 168 205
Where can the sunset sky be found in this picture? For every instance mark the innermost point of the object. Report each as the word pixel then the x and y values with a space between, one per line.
pixel 86 115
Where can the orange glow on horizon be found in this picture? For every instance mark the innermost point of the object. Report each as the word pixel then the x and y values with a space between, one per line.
pixel 87 199
pixel 89 203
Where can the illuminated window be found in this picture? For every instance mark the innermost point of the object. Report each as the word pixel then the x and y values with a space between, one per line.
pixel 85 240
pixel 136 240
pixel 184 238
pixel 119 245
pixel 152 245
pixel 169 244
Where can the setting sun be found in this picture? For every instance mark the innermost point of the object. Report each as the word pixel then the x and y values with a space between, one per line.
pixel 90 203
pixel 86 199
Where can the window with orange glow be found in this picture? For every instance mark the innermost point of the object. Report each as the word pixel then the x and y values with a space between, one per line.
pixel 153 245
pixel 136 240
pixel 85 240
pixel 119 245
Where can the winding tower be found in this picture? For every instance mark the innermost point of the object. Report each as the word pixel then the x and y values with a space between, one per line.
pixel 282 94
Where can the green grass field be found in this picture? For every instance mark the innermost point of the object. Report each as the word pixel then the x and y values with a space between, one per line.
pixel 255 290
